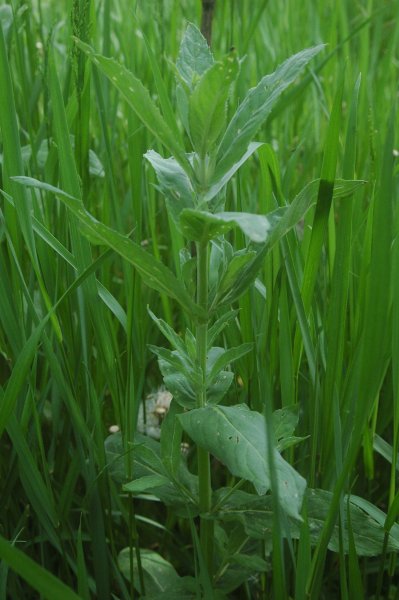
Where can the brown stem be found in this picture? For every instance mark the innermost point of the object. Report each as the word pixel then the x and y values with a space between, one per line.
pixel 208 6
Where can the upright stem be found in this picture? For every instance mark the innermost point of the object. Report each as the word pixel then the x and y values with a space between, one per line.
pixel 204 470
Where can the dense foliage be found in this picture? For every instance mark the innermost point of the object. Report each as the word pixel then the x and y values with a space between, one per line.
pixel 199 300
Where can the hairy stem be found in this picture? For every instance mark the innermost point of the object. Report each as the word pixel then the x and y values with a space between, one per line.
pixel 204 471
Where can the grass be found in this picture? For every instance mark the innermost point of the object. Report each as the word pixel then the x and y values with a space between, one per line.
pixel 75 330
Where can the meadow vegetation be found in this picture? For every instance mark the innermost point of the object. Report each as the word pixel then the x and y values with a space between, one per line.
pixel 199 300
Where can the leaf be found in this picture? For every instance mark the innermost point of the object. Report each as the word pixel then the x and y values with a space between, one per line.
pixel 285 421
pixel 215 364
pixel 158 573
pixel 237 437
pixel 194 57
pixel 185 588
pixel 180 493
pixel 256 564
pixel 180 362
pixel 219 387
pixel 392 513
pixel 145 484
pixel 6 20
pixel 201 225
pixel 234 270
pixel 44 582
pixel 256 107
pixel 178 385
pixel 171 436
pixel 220 324
pixel 207 103
pixel 155 274
pixel 219 181
pixel 173 183
pixel 116 457
pixel 139 100
pixel 169 333
pixel 19 376
pixel 256 515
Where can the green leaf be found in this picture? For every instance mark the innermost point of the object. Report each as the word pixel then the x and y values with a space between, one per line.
pixel 44 582
pixel 219 387
pixel 285 421
pixel 256 564
pixel 178 385
pixel 185 588
pixel 256 107
pixel 170 334
pixel 171 436
pixel 324 199
pixel 237 437
pixel 116 457
pixel 155 274
pixel 180 362
pixel 207 103
pixel 201 225
pixel 217 361
pixel 194 57
pixel 158 573
pixel 219 181
pixel 19 376
pixel 6 20
pixel 146 483
pixel 256 515
pixel 173 183
pixel 219 325
pixel 392 513
pixel 179 493
pixel 140 101
pixel 234 270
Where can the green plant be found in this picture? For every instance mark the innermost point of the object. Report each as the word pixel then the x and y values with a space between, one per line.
pixel 292 330
pixel 195 371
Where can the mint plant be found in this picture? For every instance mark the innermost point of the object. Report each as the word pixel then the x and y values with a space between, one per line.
pixel 195 368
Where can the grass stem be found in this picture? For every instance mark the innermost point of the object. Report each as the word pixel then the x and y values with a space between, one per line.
pixel 204 470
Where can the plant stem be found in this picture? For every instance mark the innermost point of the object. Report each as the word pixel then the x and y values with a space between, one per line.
pixel 204 471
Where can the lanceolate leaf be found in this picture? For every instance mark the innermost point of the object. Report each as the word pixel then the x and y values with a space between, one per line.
pixel 207 103
pixel 155 274
pixel 234 270
pixel 140 101
pixel 173 183
pixel 237 437
pixel 226 357
pixel 218 182
pixel 194 57
pixel 219 325
pixel 170 334
pixel 179 384
pixel 256 107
